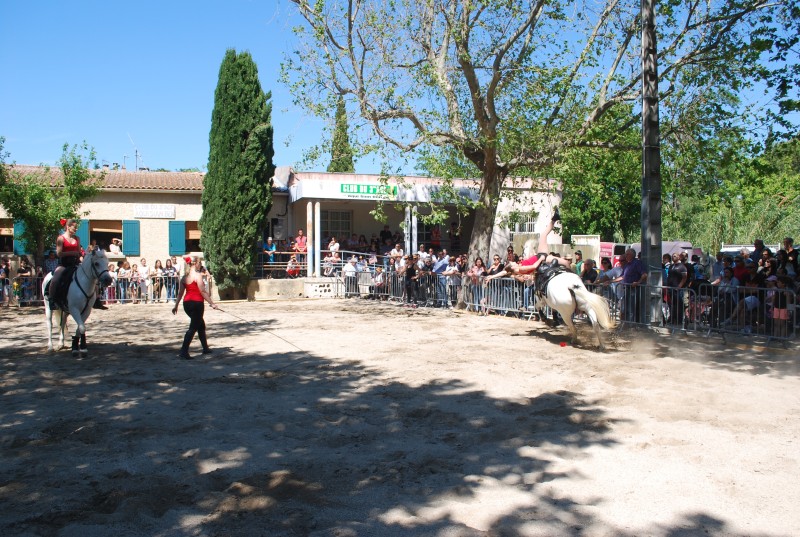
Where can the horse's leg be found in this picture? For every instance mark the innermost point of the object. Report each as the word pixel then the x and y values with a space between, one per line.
pixel 48 315
pixel 62 328
pixel 75 350
pixel 83 350
pixel 566 315
pixel 566 311
pixel 595 326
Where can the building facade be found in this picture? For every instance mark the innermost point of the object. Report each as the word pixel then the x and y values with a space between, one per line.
pixel 156 214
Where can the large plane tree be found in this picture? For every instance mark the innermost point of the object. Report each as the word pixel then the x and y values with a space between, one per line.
pixel 517 86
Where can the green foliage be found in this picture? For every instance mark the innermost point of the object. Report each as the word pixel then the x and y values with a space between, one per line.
pixel 341 152
pixel 722 193
pixel 41 199
pixel 520 88
pixel 237 188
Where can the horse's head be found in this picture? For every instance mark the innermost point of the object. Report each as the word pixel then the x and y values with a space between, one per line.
pixel 99 266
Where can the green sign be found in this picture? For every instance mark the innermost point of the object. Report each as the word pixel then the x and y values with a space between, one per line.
pixel 365 190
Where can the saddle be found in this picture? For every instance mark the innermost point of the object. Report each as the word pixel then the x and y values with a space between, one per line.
pixel 58 288
pixel 545 273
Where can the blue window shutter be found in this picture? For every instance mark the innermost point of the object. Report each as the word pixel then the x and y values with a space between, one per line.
pixel 130 237
pixel 177 237
pixel 20 248
pixel 83 233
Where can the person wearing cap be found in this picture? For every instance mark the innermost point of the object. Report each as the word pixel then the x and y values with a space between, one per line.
pixel 269 249
pixel 739 267
pixel 578 263
pixel 350 272
pixel 293 267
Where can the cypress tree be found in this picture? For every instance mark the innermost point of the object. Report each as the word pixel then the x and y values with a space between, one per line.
pixel 341 152
pixel 237 192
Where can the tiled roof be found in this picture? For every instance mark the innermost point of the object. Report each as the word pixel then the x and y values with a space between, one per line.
pixel 130 180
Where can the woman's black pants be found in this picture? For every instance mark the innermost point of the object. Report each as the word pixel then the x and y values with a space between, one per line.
pixel 197 325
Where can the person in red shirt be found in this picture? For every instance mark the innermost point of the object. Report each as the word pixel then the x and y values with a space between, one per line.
pixel 69 252
pixel 300 246
pixel 192 289
pixel 526 266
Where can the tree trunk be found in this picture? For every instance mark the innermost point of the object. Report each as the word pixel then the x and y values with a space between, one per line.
pixel 485 213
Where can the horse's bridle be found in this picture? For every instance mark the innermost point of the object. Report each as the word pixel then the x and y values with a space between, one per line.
pixel 94 270
pixel 97 276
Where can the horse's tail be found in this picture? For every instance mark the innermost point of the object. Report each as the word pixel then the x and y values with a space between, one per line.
pixel 587 299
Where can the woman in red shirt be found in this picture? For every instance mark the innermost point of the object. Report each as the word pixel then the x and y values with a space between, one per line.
pixel 192 290
pixel 68 251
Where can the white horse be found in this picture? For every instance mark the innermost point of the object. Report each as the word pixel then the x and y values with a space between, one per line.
pixel 80 297
pixel 566 292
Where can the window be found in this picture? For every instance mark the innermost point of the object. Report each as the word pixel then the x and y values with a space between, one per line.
pixel 192 237
pixel 6 235
pixel 102 231
pixel 184 237
pixel 424 234
pixel 527 226
pixel 336 223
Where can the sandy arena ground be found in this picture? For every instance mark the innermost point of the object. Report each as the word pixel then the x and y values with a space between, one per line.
pixel 350 418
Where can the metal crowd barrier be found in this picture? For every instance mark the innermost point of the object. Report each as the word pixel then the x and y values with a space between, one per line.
pixel 500 295
pixel 277 268
pixel 700 309
pixel 23 291
pixel 133 291
pixel 743 311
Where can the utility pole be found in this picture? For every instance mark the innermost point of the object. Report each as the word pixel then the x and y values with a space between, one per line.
pixel 651 162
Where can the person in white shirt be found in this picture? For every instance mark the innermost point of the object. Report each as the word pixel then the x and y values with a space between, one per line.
pixel 144 282
pixel 350 272
pixel 423 255
pixel 397 255
pixel 116 246
pixel 333 246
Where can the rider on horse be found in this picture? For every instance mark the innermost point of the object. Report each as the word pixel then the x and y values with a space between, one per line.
pixel 68 251
pixel 542 260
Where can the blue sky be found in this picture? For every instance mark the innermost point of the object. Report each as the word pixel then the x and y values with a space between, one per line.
pixel 137 75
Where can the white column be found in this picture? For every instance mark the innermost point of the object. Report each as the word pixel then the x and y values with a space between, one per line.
pixel 309 239
pixel 407 229
pixel 414 245
pixel 317 239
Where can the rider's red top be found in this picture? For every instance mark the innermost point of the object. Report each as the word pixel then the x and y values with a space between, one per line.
pixel 67 246
pixel 192 293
